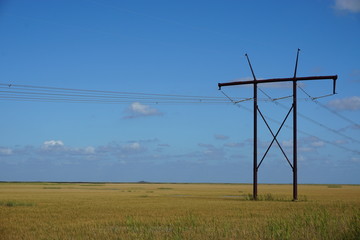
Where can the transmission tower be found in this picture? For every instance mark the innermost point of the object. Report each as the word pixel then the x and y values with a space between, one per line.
pixel 293 108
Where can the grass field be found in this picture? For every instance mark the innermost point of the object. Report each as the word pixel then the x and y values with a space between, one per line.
pixel 177 211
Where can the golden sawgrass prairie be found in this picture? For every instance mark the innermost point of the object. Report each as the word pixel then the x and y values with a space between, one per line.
pixel 177 211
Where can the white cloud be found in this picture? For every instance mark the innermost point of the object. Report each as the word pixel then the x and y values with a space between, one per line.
pixel 5 151
pixel 351 103
pixel 348 5
pixel 137 109
pixel 89 150
pixel 134 147
pixel 52 144
pixel 58 147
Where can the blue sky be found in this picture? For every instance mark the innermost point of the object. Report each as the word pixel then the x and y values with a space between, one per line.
pixel 182 48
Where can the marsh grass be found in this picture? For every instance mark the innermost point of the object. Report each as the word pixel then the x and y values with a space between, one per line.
pixel 334 186
pixel 51 187
pixel 315 223
pixel 177 211
pixel 353 231
pixel 92 185
pixel 273 197
pixel 12 203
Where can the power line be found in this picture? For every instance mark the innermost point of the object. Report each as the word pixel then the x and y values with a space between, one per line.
pixel 314 99
pixel 101 91
pixel 17 92
pixel 42 93
pixel 313 121
pixel 94 97
pixel 31 93
pixel 289 127
pixel 64 100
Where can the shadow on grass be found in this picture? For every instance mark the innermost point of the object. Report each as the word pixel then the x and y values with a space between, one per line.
pixel 268 197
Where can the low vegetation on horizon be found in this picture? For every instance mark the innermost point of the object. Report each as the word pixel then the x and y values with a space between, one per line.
pixel 177 211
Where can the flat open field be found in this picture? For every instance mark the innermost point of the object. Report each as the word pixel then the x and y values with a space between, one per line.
pixel 177 211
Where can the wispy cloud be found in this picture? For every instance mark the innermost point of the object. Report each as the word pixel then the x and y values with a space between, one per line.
pixel 210 152
pixel 340 142
pixel 136 110
pixel 58 147
pixel 234 145
pixel 6 151
pixel 221 137
pixel 130 160
pixel 348 5
pixel 308 144
pixel 58 152
pixel 350 127
pixel 121 151
pixel 351 103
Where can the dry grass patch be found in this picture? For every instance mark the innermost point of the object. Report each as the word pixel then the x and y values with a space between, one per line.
pixel 177 211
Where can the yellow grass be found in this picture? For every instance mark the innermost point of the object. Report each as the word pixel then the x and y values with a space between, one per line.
pixel 177 211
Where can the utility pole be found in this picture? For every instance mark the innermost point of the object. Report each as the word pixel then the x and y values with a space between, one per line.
pixel 255 168
pixel 293 108
pixel 294 168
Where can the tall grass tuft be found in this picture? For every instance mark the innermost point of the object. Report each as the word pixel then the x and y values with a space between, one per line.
pixel 16 204
pixel 315 223
pixel 274 197
pixel 353 229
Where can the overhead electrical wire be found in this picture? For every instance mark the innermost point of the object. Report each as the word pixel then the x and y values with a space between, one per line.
pixel 17 92
pixel 54 94
pixel 87 97
pixel 289 127
pixel 314 99
pixel 314 121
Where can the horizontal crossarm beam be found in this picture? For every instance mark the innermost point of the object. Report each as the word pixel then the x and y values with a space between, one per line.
pixel 271 80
